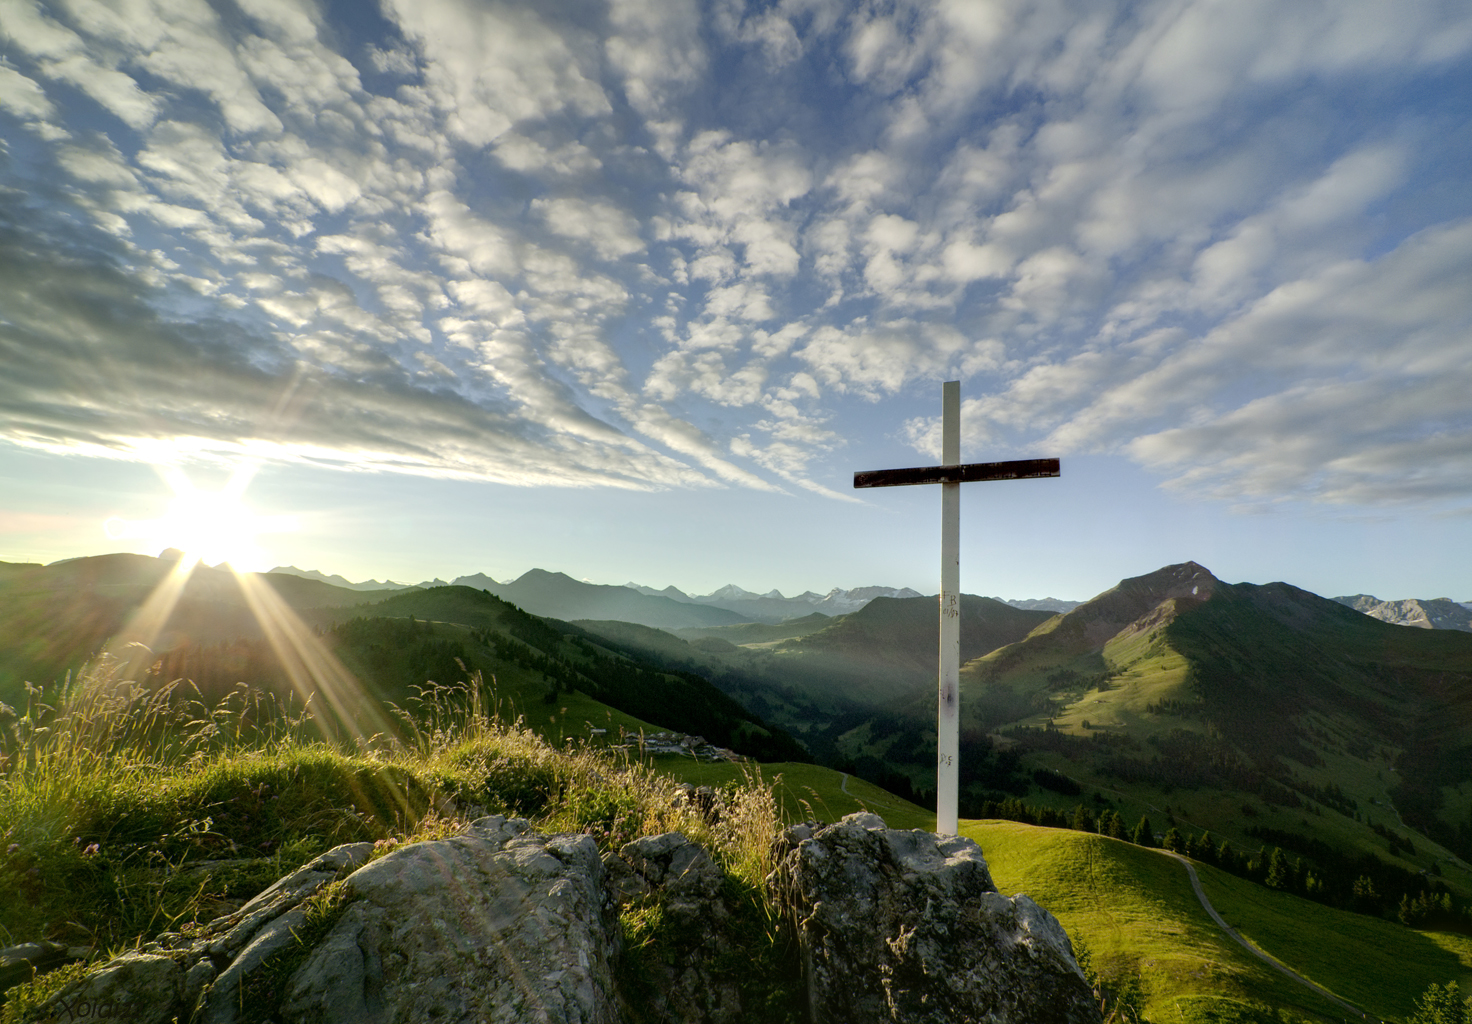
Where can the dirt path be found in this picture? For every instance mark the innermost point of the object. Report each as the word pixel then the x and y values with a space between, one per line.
pixel 1232 932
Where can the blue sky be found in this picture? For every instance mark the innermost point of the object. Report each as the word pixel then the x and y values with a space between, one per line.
pixel 631 289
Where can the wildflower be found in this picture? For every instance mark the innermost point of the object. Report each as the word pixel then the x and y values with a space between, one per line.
pixel 12 848
pixel 92 850
pixel 385 844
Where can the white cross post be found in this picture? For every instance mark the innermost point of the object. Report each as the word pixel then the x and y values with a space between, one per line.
pixel 950 474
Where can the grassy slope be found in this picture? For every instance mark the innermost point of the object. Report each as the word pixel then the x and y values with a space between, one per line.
pixel 1135 911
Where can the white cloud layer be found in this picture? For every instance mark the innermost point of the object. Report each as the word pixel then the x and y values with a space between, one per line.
pixel 680 245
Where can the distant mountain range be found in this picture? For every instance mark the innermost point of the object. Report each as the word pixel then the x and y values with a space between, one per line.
pixel 1436 613
pixel 339 581
pixel 771 607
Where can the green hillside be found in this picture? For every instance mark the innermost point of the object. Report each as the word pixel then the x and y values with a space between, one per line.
pixel 1134 911
pixel 887 649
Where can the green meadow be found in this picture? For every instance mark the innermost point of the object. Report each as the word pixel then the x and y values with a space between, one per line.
pixel 1133 909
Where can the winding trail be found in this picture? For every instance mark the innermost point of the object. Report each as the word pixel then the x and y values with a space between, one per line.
pixel 1264 957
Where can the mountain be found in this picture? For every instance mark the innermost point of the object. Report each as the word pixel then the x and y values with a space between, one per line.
pixel 54 618
pixel 338 581
pixel 1437 613
pixel 671 592
pixel 1044 604
pixel 1260 712
pixel 889 646
pixel 772 607
pixel 480 581
pixel 559 596
pixel 1128 609
pixel 746 633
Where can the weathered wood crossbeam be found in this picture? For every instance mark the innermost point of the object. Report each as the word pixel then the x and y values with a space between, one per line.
pixel 1020 469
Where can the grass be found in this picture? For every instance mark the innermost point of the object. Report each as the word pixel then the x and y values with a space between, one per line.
pixel 1372 963
pixel 126 811
pixel 806 792
pixel 1134 911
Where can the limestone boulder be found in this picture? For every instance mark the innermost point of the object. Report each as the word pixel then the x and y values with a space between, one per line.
pixel 908 926
pixel 498 925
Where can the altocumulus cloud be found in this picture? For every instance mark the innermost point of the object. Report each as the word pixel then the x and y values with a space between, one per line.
pixel 654 244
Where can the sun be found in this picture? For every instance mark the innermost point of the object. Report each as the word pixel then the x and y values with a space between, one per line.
pixel 212 528
pixel 209 527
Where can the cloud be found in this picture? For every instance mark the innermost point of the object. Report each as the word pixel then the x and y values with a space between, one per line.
pixel 871 360
pixel 610 231
pixel 669 242
pixel 494 66
pixel 23 97
pixel 111 377
pixel 1368 358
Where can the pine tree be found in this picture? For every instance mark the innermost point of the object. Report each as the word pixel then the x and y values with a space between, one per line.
pixel 1173 841
pixel 1143 835
pixel 1280 872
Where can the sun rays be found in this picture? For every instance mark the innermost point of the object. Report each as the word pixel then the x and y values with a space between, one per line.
pixel 219 528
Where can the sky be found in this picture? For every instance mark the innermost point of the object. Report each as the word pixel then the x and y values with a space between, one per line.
pixel 630 289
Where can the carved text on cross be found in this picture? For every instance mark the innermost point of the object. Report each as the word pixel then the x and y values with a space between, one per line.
pixel 950 475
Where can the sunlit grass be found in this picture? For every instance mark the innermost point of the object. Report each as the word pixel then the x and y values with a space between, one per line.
pixel 126 810
pixel 1136 913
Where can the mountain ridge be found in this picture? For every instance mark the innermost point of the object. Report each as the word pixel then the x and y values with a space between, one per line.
pixel 339 581
pixel 1432 613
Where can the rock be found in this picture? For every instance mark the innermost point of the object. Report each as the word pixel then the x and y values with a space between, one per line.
pixel 156 984
pixel 502 925
pixel 233 932
pixel 907 926
pixel 141 988
pixel 687 978
pixel 22 963
pixel 496 925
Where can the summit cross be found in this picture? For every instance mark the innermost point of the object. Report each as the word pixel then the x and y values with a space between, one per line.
pixel 950 474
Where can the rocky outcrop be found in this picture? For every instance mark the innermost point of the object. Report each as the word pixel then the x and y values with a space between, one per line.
pixel 1434 613
pixel 907 926
pixel 497 925
pixel 688 981
pixel 500 924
